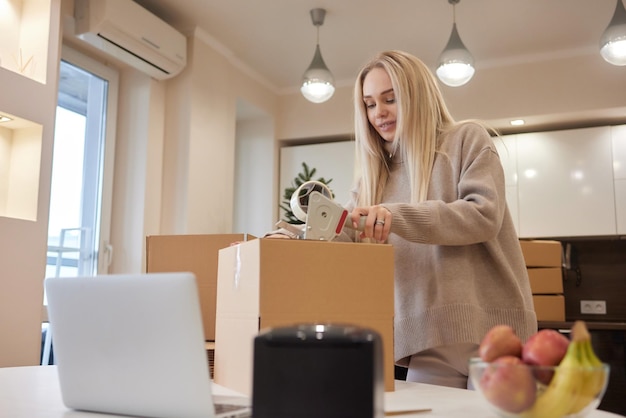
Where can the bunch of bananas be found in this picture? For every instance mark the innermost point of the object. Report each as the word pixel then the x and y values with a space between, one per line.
pixel 577 381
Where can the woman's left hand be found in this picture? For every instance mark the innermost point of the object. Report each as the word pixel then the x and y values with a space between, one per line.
pixel 377 222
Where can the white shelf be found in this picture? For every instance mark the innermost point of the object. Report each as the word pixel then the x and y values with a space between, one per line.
pixel 20 160
pixel 24 28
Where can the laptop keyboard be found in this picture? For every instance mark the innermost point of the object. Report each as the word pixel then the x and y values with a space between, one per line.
pixel 224 408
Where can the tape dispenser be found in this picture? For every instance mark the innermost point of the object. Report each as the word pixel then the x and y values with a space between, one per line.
pixel 323 219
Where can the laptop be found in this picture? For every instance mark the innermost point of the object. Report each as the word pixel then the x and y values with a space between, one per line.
pixel 134 345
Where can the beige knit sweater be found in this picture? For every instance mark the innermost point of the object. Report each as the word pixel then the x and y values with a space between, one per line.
pixel 459 269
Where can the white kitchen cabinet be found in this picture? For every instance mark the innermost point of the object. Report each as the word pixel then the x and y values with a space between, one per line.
pixel 618 138
pixel 620 205
pixel 565 183
pixel 507 149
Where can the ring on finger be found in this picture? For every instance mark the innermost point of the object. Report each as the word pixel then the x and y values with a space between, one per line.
pixel 379 222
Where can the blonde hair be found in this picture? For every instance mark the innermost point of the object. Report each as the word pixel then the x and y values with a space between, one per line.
pixel 422 116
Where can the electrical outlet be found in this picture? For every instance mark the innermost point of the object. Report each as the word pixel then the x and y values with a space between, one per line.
pixel 593 307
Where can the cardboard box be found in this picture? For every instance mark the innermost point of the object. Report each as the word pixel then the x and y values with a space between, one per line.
pixel 197 254
pixel 277 282
pixel 549 307
pixel 538 253
pixel 545 280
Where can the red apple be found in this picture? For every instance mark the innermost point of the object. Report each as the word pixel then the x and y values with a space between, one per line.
pixel 508 384
pixel 499 341
pixel 545 348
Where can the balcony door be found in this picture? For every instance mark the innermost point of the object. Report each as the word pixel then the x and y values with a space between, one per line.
pixel 82 168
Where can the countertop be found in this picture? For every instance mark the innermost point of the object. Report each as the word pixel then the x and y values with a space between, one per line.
pixel 591 325
pixel 34 392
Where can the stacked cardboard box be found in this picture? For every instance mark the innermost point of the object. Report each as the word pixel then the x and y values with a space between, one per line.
pixel 543 263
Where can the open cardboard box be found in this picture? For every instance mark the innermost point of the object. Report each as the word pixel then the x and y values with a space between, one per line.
pixel 268 283
pixel 197 254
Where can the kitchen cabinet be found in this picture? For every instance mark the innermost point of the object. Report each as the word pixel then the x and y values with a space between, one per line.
pixel 565 183
pixel 620 205
pixel 618 138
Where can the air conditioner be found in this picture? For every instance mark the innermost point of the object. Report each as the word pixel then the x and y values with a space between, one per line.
pixel 127 31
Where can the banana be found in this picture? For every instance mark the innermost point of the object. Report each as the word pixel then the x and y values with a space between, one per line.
pixel 564 388
pixel 576 381
pixel 593 372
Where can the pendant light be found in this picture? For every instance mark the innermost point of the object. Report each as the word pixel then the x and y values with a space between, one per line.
pixel 456 64
pixel 318 83
pixel 613 40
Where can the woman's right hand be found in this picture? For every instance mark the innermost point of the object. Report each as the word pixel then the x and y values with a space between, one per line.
pixel 377 224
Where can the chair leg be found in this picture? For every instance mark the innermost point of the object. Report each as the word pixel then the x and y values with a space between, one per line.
pixel 47 345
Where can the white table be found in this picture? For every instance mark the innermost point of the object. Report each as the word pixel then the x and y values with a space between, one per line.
pixel 33 392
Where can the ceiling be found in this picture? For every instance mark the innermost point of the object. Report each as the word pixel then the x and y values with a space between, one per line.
pixel 275 39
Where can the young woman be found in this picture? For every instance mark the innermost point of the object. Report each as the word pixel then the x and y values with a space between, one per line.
pixel 434 189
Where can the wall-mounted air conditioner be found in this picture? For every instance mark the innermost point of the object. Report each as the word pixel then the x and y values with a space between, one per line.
pixel 127 31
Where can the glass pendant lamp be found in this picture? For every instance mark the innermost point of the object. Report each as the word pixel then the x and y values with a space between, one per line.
pixel 318 83
pixel 613 40
pixel 456 65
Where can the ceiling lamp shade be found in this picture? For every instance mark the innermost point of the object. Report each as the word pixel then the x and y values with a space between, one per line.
pixel 613 40
pixel 318 83
pixel 456 65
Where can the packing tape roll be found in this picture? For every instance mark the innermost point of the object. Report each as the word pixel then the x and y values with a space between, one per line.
pixel 300 198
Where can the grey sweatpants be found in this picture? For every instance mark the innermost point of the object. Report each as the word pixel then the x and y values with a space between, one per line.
pixel 444 366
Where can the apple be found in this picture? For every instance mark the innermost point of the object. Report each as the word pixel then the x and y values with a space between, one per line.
pixel 508 384
pixel 499 341
pixel 546 347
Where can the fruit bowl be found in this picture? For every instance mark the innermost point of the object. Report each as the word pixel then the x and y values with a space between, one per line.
pixel 514 389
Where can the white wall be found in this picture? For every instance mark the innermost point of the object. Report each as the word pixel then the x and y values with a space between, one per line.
pixel 299 118
pixel 200 155
pixel 137 179
pixel 253 177
pixel 6 144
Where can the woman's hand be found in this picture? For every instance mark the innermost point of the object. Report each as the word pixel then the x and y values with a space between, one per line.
pixel 377 222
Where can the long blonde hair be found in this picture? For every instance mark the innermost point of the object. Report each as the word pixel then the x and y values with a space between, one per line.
pixel 422 116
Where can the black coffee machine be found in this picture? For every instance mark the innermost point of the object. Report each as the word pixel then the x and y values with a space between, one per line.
pixel 318 371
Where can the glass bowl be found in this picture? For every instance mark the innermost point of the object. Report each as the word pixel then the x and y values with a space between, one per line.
pixel 513 389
